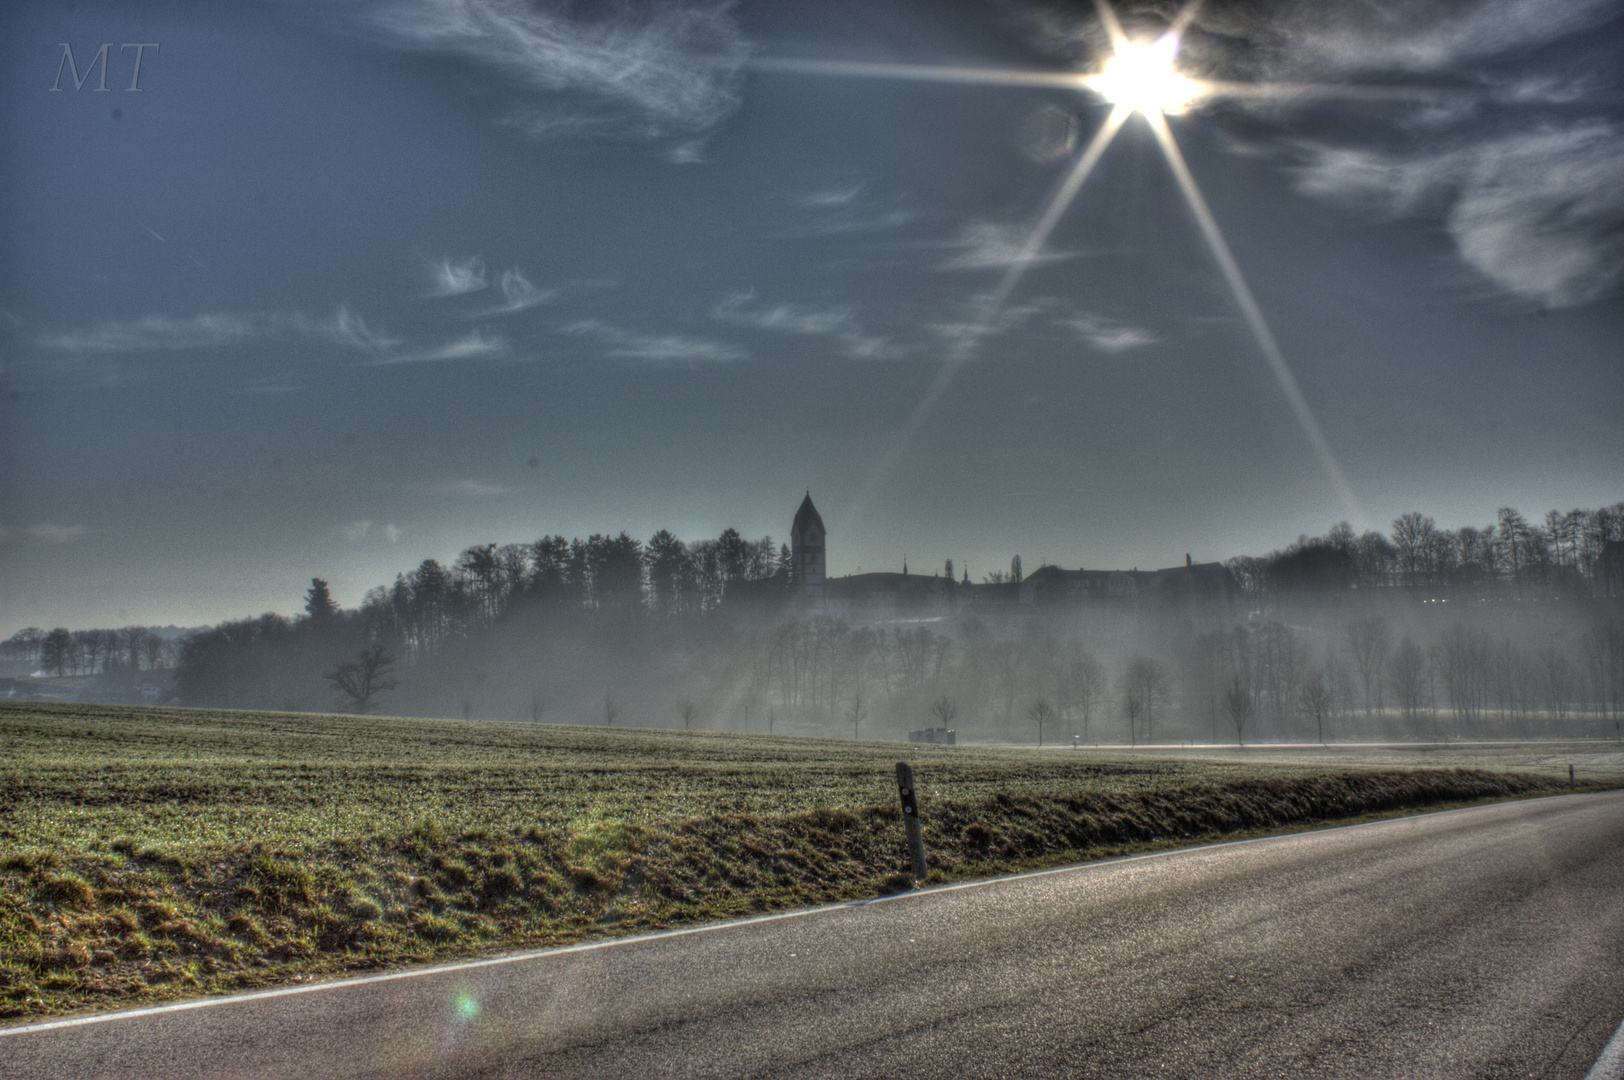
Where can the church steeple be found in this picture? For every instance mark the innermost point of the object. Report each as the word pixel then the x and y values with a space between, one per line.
pixel 806 538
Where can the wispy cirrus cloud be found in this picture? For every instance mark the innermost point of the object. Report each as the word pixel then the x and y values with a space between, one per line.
pixel 1417 36
pixel 352 330
pixel 517 294
pixel 846 208
pixel 1105 334
pixel 987 245
pixel 656 348
pixel 1530 196
pixel 355 532
pixel 478 489
pixel 742 309
pixel 153 332
pixel 163 332
pixel 458 278
pixel 620 68
pixel 471 346
pixel 1538 213
pixel 56 534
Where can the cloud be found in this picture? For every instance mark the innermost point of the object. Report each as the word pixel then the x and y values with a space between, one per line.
pixel 391 533
pixel 740 309
pixel 465 489
pixel 56 534
pixel 1107 335
pixel 986 245
pixel 1418 36
pixel 657 349
pixel 691 152
pixel 470 346
pixel 844 195
pixel 846 208
pixel 352 330
pixel 458 278
pixel 518 294
pixel 622 68
pixel 153 332
pixel 673 349
pixel 1539 213
pixel 356 531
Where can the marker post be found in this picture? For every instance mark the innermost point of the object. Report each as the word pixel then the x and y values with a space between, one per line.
pixel 910 819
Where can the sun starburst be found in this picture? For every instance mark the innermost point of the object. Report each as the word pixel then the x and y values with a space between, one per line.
pixel 1142 77
pixel 1139 78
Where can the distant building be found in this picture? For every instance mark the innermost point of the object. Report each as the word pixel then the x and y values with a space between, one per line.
pixel 891 597
pixel 806 538
pixel 866 598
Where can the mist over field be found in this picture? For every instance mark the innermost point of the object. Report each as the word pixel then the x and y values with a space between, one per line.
pixel 1510 631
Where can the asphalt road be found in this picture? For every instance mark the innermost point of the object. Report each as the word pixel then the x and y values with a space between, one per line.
pixel 1485 942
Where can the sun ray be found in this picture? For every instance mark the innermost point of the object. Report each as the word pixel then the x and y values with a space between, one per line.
pixel 1113 25
pixel 1253 314
pixel 972 76
pixel 1186 16
pixel 1057 207
pixel 992 307
pixel 1139 77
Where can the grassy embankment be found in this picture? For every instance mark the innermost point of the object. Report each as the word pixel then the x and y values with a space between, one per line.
pixel 148 854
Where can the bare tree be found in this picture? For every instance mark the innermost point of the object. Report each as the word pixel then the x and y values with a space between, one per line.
pixel 1409 677
pixel 1412 543
pixel 1238 707
pixel 1146 682
pixel 944 711
pixel 1559 682
pixel 1086 677
pixel 157 652
pixel 538 705
pixel 361 682
pixel 1131 708
pixel 855 713
pixel 610 709
pixel 1006 664
pixel 1315 700
pixel 686 710
pixel 1040 713
pixel 1369 641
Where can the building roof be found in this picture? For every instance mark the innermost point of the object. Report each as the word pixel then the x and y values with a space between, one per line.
pixel 807 516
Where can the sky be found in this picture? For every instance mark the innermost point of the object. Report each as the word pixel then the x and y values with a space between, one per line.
pixel 327 289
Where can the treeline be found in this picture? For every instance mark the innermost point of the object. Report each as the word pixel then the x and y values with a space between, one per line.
pixel 1339 636
pixel 612 575
pixel 1577 553
pixel 1461 682
pixel 1260 679
pixel 90 652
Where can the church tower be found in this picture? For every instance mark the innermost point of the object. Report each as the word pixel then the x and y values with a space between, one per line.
pixel 806 538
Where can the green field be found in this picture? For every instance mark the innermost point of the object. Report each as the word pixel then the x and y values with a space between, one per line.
pixel 152 853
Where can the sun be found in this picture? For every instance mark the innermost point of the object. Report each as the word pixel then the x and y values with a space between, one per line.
pixel 1140 76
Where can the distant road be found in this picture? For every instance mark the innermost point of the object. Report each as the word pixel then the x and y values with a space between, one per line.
pixel 1485 942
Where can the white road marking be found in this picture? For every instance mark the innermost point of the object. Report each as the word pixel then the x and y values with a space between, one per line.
pixel 1610 1066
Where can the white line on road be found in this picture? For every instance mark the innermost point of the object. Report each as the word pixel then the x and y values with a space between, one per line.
pixel 514 958
pixel 1610 1066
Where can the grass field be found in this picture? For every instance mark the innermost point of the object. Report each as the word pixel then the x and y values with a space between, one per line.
pixel 153 853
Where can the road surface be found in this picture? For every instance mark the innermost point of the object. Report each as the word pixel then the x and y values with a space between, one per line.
pixel 1484 942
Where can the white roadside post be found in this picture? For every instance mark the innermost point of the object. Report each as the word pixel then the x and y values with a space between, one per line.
pixel 910 819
